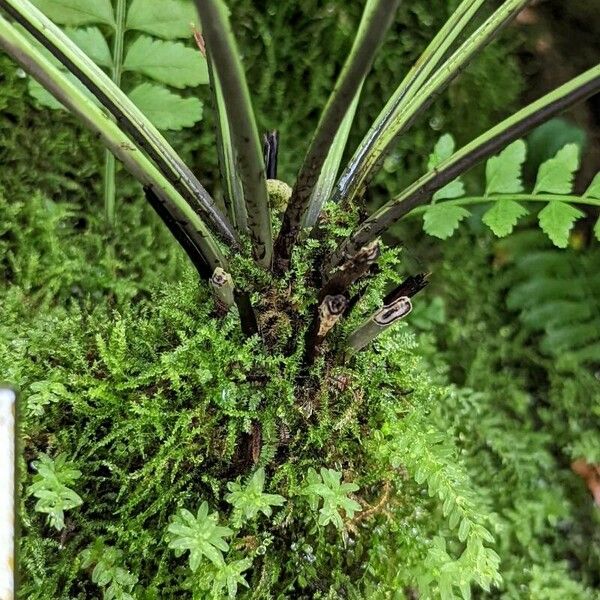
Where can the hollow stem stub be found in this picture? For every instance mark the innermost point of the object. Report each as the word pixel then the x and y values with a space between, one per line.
pixel 222 288
pixel 7 493
pixel 377 323
pixel 352 270
pixel 327 314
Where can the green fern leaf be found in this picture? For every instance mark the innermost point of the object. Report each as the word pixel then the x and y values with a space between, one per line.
pixel 167 62
pixel 594 192
pixel 555 312
pixel 503 216
pixel 169 19
pixel 441 220
pixel 503 172
pixel 455 189
pixel 556 293
pixel 555 176
pixel 503 179
pixel 557 219
pixel 93 43
pixel 589 353
pixel 170 63
pixel 563 337
pixel 443 150
pixel 165 109
pixel 540 289
pixel 78 12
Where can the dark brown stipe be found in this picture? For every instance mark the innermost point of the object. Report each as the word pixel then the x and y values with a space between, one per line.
pixel 178 230
pixel 248 320
pixel 372 30
pixel 396 305
pixel 352 270
pixel 509 130
pixel 391 313
pixel 377 323
pixel 271 152
pixel 410 287
pixel 362 168
pixel 222 49
pixel 255 442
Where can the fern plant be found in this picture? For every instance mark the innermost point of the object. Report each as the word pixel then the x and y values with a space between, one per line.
pixel 116 581
pixel 520 415
pixel 200 535
pixel 288 285
pixel 556 296
pixel 51 487
pixel 250 500
pixel 326 486
pixel 504 190
pixel 136 43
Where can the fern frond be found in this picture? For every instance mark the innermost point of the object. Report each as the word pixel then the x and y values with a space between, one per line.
pixel 428 457
pixel 558 295
pixel 510 130
pixel 504 190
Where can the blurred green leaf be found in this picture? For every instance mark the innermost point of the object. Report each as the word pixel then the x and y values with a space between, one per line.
pixel 171 63
pixel 77 12
pixel 168 19
pixel 166 109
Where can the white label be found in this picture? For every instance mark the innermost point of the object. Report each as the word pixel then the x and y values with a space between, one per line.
pixel 7 493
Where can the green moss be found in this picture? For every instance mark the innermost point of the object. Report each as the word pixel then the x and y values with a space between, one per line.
pixel 43 149
pixel 161 406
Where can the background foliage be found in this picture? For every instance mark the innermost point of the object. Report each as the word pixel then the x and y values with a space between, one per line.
pixel 149 56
